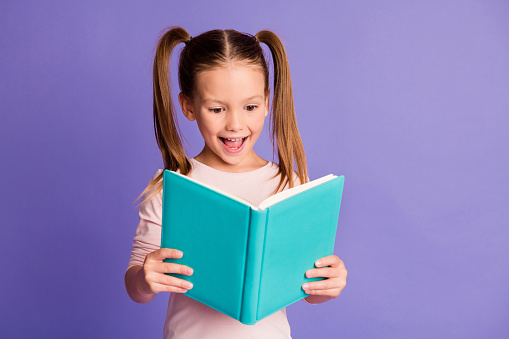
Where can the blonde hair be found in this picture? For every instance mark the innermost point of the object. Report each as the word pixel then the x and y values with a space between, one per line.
pixel 214 49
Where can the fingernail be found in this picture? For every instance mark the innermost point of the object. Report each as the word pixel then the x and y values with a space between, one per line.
pixel 305 286
pixel 179 254
pixel 308 274
pixel 318 263
pixel 189 270
pixel 189 285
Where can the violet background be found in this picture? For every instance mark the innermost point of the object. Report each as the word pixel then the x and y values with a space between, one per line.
pixel 409 100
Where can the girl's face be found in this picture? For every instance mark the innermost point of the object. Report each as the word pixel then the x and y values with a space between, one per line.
pixel 230 107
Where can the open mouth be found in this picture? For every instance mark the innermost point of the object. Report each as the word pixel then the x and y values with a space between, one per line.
pixel 233 144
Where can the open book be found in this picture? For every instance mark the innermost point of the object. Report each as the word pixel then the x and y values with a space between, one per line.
pixel 249 261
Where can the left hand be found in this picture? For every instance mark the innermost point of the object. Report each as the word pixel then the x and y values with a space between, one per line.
pixel 333 269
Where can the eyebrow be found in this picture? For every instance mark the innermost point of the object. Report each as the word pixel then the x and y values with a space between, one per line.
pixel 255 97
pixel 207 100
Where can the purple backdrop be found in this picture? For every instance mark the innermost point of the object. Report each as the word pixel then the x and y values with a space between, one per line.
pixel 409 101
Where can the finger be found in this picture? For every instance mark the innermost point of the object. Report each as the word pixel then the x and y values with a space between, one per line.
pixel 328 272
pixel 175 268
pixel 331 260
pixel 326 284
pixel 325 272
pixel 167 288
pixel 332 293
pixel 165 253
pixel 332 285
pixel 168 280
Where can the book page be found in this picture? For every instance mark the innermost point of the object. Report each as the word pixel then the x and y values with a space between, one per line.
pixel 213 188
pixel 274 199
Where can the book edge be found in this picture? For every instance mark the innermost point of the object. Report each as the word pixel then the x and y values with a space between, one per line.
pixel 283 195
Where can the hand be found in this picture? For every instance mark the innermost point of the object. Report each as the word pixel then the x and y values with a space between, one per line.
pixel 333 269
pixel 152 278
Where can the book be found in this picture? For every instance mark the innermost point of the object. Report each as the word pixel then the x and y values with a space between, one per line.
pixel 249 261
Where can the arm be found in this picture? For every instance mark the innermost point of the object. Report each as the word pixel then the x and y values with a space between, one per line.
pixel 333 269
pixel 146 274
pixel 142 283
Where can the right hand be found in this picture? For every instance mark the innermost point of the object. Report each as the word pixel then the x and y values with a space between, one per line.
pixel 152 277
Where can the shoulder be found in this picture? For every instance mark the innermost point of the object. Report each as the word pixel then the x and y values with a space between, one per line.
pixel 158 173
pixel 296 180
pixel 271 167
pixel 294 174
pixel 153 193
pixel 156 177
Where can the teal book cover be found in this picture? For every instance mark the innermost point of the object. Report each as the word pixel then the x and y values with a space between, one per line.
pixel 249 261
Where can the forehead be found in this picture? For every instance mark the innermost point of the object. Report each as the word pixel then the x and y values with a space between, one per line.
pixel 231 81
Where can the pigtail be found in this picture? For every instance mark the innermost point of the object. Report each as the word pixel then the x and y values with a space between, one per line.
pixel 167 131
pixel 285 134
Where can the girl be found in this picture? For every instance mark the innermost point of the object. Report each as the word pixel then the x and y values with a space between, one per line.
pixel 224 83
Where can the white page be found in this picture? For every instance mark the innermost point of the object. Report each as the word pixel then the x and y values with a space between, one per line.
pixel 272 199
pixel 229 195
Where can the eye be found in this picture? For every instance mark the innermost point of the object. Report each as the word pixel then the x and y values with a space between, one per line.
pixel 251 108
pixel 216 110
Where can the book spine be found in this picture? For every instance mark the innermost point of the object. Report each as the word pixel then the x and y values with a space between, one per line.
pixel 256 236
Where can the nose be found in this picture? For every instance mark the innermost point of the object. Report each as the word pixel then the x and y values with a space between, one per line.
pixel 234 120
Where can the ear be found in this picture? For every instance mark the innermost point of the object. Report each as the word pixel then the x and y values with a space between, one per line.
pixel 187 107
pixel 267 98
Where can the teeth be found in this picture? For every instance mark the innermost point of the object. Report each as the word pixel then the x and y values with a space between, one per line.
pixel 238 139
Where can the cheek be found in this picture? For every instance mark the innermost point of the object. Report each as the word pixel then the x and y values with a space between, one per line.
pixel 258 123
pixel 208 124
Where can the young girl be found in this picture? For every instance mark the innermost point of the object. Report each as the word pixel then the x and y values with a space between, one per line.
pixel 224 83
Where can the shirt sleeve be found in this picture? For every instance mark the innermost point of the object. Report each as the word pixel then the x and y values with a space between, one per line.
pixel 147 238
